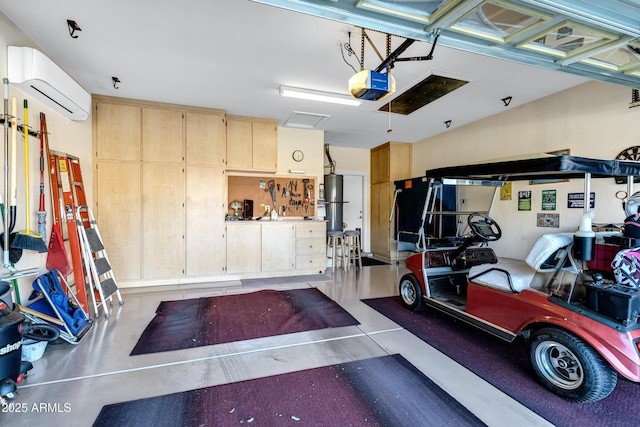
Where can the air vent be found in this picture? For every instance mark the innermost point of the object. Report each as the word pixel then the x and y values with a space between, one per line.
pixel 303 120
pixel 423 93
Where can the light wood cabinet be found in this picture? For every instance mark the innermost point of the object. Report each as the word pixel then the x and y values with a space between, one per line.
pixel 380 224
pixel 162 132
pixel 390 162
pixel 252 144
pixel 162 221
pixel 206 139
pixel 244 243
pixel 205 233
pixel 117 131
pixel 119 215
pixel 159 188
pixel 311 246
pixel 278 247
pixel 380 164
pixel 265 145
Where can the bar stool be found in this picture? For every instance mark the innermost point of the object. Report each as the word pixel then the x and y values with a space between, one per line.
pixel 335 244
pixel 352 248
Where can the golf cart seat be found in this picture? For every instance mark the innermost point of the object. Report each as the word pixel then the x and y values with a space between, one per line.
pixel 514 275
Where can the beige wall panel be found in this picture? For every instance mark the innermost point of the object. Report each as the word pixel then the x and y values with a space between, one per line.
pixel 206 139
pixel 591 120
pixel 162 135
pixel 163 219
pixel 205 227
pixel 118 131
pixel 118 216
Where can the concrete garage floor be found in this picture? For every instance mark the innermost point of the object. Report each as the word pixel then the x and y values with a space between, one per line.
pixel 72 383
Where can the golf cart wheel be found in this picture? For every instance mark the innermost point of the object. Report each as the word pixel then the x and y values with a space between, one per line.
pixel 569 367
pixel 411 293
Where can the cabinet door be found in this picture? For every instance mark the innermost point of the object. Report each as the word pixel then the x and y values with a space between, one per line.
pixel 206 139
pixel 265 146
pixel 162 135
pixel 162 221
pixel 375 166
pixel 239 144
pixel 118 135
pixel 380 225
pixel 205 254
pixel 118 213
pixel 399 161
pixel 384 164
pixel 243 248
pixel 278 247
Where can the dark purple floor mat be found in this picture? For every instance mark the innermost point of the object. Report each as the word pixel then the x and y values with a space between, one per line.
pixel 507 367
pixel 382 391
pixel 215 320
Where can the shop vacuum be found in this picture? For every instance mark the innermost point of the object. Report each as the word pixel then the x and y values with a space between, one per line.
pixel 14 326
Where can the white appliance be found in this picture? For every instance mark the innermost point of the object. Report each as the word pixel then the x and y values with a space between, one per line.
pixel 32 72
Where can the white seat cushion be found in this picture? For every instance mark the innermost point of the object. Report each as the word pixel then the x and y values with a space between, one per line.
pixel 545 246
pixel 521 275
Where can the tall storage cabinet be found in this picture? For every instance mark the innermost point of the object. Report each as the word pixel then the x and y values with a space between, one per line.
pixel 389 162
pixel 159 188
pixel 252 144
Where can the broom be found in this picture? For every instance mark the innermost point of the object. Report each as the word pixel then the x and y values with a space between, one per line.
pixel 28 239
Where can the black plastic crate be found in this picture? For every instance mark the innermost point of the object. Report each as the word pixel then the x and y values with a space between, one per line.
pixel 621 303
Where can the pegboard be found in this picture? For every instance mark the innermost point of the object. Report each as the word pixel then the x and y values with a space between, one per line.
pixel 292 200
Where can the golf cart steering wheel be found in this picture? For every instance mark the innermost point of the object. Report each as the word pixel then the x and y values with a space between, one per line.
pixel 484 227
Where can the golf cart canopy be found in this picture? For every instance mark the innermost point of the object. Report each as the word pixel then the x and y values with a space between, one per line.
pixel 547 167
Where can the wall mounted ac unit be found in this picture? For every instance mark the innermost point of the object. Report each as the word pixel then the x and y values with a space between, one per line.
pixel 32 72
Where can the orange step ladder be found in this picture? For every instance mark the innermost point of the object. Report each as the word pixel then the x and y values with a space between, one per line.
pixel 68 193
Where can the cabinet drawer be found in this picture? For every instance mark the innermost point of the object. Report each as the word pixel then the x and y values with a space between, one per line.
pixel 311 230
pixel 314 262
pixel 310 247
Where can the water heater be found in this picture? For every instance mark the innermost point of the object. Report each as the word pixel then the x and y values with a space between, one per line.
pixel 333 185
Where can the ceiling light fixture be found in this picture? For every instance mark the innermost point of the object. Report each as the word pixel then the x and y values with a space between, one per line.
pixel 73 27
pixel 316 95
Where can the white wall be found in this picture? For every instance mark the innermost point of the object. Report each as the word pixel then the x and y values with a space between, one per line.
pixel 64 135
pixel 310 142
pixel 592 120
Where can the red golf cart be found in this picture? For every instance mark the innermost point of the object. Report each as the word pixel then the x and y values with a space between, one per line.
pixel 581 324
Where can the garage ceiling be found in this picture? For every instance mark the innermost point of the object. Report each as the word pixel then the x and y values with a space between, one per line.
pixel 235 54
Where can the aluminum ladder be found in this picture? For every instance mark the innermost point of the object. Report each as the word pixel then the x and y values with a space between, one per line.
pixel 99 275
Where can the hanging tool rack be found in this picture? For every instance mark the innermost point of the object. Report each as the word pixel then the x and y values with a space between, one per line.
pixel 11 272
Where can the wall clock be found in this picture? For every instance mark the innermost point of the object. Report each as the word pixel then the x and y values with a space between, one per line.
pixel 298 155
pixel 632 154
